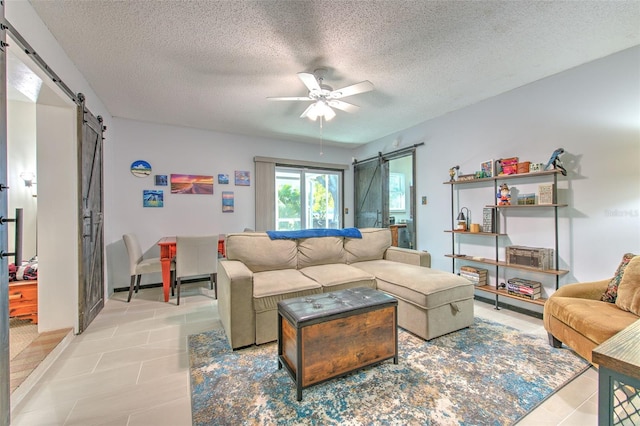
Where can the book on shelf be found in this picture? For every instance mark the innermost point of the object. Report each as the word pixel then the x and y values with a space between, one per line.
pixel 524 296
pixel 530 292
pixel 524 282
pixel 478 276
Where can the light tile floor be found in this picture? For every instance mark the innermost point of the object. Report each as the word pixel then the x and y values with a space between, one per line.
pixel 130 367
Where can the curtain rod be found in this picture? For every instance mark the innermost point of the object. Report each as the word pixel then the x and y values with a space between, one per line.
pixel 380 154
pixel 24 45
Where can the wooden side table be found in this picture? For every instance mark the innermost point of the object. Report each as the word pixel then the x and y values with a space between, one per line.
pixel 619 377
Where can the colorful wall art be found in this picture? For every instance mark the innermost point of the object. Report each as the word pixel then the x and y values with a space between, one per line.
pixel 223 179
pixel 162 180
pixel 227 201
pixel 153 198
pixel 191 184
pixel 140 168
pixel 242 178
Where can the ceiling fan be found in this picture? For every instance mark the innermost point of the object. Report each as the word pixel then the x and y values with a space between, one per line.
pixel 324 98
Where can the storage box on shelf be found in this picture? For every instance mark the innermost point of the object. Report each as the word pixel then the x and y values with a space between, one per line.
pixel 548 258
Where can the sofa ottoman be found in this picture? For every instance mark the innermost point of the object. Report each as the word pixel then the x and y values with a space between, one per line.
pixel 433 302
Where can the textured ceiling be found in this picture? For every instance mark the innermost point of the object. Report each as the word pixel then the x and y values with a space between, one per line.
pixel 212 64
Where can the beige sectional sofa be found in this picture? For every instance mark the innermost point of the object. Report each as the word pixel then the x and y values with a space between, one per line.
pixel 258 272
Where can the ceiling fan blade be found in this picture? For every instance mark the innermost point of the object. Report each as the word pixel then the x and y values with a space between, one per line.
pixel 344 106
pixel 354 89
pixel 310 81
pixel 290 98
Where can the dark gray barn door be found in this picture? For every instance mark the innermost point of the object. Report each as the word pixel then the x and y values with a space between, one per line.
pixel 91 291
pixel 371 195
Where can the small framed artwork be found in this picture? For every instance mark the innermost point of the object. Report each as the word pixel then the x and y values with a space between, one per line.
pixel 153 198
pixel 227 201
pixel 486 167
pixel 243 178
pixel 162 180
pixel 223 179
pixel 140 168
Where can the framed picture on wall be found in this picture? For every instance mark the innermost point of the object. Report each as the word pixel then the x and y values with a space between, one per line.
pixel 153 198
pixel 243 178
pixel 227 201
pixel 223 179
pixel 191 184
pixel 162 180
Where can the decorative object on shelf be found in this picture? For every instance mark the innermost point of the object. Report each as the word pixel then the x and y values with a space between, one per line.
pixel 488 220
pixel 534 257
pixel 523 167
pixel 153 198
pixel 556 162
pixel 545 193
pixel 162 180
pixel 536 167
pixel 452 173
pixel 223 179
pixel 140 168
pixel 475 228
pixel 462 178
pixel 526 199
pixel 510 166
pixel 498 168
pixel 227 202
pixel 191 184
pixel 463 222
pixel 504 195
pixel 487 168
pixel 242 178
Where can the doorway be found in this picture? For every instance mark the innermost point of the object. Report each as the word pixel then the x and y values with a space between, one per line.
pixel 384 195
pixel 41 169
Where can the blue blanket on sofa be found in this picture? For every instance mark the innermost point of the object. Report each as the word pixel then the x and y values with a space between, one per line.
pixel 310 233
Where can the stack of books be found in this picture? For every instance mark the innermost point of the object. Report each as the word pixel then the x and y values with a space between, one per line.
pixel 526 289
pixel 477 276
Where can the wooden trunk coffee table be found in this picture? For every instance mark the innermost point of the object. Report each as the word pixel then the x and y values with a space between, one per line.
pixel 327 335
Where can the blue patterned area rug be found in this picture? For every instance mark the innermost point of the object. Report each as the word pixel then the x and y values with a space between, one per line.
pixel 487 374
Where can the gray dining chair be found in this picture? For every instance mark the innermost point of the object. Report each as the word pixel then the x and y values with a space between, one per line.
pixel 138 265
pixel 197 256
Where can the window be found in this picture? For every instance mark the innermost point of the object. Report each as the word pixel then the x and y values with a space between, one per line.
pixel 308 198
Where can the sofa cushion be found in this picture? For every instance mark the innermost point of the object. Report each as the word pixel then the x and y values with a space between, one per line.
pixel 629 288
pixel 425 287
pixel 260 253
pixel 372 245
pixel 339 276
pixel 611 293
pixel 594 319
pixel 320 251
pixel 270 287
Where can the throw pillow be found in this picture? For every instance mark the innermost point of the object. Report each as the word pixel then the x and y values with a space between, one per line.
pixel 611 293
pixel 629 289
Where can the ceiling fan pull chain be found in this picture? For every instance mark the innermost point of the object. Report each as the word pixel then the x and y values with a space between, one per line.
pixel 321 136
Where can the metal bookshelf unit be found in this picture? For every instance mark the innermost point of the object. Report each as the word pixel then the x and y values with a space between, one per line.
pixel 495 288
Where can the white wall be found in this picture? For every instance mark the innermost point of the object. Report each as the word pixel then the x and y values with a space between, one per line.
pixel 21 155
pixel 57 218
pixel 171 149
pixel 593 112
